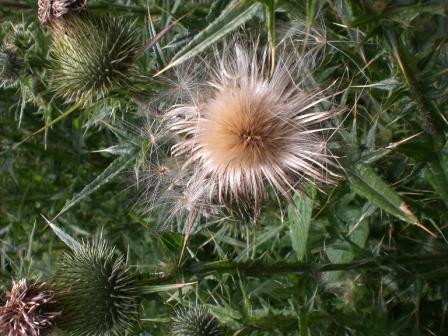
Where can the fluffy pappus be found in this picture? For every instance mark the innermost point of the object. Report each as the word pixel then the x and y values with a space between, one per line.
pixel 164 184
pixel 245 130
pixel 179 204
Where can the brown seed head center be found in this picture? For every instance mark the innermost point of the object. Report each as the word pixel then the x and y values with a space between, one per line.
pixel 240 129
pixel 252 139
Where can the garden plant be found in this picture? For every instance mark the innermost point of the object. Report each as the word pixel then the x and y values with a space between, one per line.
pixel 223 167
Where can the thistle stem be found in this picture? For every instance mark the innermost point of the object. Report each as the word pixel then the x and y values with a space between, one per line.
pixel 51 123
pixel 287 268
pixel 14 5
pixel 431 121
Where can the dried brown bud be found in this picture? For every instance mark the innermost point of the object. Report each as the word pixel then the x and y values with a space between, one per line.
pixel 52 10
pixel 27 311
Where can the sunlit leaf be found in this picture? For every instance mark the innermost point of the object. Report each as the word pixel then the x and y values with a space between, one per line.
pixel 299 218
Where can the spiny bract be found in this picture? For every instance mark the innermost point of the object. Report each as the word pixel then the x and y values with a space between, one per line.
pixel 28 310
pixel 11 67
pixel 93 57
pixel 194 321
pixel 97 292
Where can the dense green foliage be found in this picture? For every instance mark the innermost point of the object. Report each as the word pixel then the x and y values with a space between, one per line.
pixel 368 256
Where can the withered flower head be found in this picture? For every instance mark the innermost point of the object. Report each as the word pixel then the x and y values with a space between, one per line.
pixel 245 130
pixel 51 10
pixel 28 310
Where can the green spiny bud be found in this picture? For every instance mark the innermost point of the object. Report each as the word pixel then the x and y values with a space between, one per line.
pixel 97 292
pixel 194 321
pixel 93 57
pixel 11 67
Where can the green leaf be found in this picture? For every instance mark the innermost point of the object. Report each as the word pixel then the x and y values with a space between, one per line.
pixel 299 220
pixel 393 12
pixel 66 238
pixel 105 177
pixel 291 7
pixel 227 315
pixel 165 288
pixel 367 183
pixel 430 119
pixel 437 176
pixel 259 240
pixel 311 10
pixel 233 16
pixel 51 123
pixel 344 250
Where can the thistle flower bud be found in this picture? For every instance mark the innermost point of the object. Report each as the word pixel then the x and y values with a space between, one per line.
pixel 28 310
pixel 11 67
pixel 194 321
pixel 97 292
pixel 52 10
pixel 93 57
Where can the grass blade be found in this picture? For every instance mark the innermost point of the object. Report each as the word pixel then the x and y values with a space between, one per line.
pixel 234 15
pixel 165 288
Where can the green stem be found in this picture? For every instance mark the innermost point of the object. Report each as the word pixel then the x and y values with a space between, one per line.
pixel 432 122
pixel 14 5
pixel 392 12
pixel 287 268
pixel 51 123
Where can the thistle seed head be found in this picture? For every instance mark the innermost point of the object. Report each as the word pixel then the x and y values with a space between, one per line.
pixel 247 130
pixel 97 292
pixel 11 67
pixel 51 10
pixel 93 57
pixel 194 321
pixel 28 310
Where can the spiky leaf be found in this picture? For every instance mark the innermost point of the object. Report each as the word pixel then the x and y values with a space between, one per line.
pixel 10 67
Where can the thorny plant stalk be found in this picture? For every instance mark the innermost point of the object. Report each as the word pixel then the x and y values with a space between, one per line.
pixel 374 263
